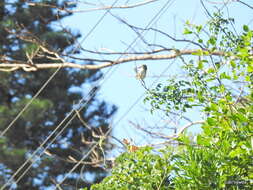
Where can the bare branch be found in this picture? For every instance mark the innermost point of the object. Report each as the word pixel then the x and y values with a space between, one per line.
pixel 230 1
pixel 182 129
pixel 250 6
pixel 171 137
pixel 134 28
pixel 123 53
pixel 223 2
pixel 151 133
pixel 107 63
pixel 63 9
pixel 174 137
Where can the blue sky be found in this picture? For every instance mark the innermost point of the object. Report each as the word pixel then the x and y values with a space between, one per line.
pixel 121 88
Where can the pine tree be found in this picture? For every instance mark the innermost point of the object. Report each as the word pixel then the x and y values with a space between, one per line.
pixel 18 19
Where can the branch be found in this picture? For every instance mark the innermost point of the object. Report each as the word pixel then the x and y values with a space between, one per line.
pixel 63 9
pixel 223 2
pixel 111 52
pixel 171 137
pixel 15 65
pixel 135 28
pixel 251 7
pixel 176 136
pixel 151 133
pixel 186 127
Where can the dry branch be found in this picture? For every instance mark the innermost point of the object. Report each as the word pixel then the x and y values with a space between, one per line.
pixel 98 8
pixel 7 65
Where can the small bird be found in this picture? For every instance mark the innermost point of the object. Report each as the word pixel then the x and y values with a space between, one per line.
pixel 141 72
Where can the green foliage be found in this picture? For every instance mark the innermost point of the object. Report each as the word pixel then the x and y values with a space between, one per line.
pixel 221 155
pixel 139 170
pixel 200 86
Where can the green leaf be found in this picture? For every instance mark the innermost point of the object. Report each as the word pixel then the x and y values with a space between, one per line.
pixel 214 107
pixel 203 141
pixel 212 40
pixel 200 41
pixel 199 28
pixel 200 65
pixel 250 69
pixel 187 31
pixel 210 70
pixel 245 28
pixel 236 153
pixel 224 76
pixel 211 121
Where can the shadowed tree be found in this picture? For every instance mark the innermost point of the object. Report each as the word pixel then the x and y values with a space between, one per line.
pixel 23 29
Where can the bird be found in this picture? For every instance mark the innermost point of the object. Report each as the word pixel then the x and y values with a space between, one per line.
pixel 141 72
